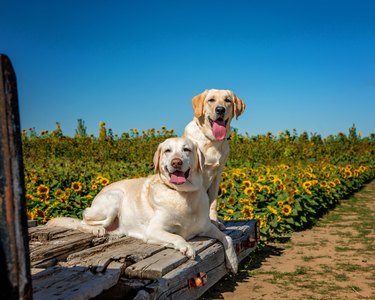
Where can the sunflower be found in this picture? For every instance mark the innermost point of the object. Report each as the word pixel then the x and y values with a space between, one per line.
pixel 231 201
pixel 337 181
pixel 280 203
pixel 42 190
pixel 221 205
pixel 286 210
pixel 246 183
pixel 247 211
pixel 222 190
pixel 77 186
pixel 94 187
pixel 230 211
pixel 306 184
pixel 272 209
pixel 324 183
pixel 248 190
pixel 59 194
pixel 44 197
pixel 262 221
pixel 30 215
pixel 104 181
pixel 244 201
pixel 252 197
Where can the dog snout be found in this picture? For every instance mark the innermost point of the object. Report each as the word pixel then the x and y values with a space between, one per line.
pixel 176 163
pixel 220 110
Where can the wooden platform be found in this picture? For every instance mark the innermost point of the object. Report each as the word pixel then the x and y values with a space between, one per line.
pixel 68 264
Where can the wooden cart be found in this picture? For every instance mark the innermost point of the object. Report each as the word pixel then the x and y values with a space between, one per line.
pixel 68 264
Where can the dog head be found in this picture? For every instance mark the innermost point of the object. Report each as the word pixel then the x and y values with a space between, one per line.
pixel 214 110
pixel 179 163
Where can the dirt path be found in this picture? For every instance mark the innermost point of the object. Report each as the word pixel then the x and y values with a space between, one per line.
pixel 333 260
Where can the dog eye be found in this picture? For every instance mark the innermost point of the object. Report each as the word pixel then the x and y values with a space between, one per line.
pixel 228 100
pixel 211 100
pixel 167 150
pixel 187 150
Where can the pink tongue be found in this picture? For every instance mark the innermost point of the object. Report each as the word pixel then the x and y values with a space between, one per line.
pixel 219 130
pixel 178 177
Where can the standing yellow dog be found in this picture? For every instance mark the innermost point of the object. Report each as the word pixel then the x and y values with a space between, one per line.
pixel 210 129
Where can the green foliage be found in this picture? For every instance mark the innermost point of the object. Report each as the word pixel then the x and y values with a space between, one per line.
pixel 287 181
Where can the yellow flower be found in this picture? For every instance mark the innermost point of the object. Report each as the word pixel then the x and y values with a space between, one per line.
pixel 30 215
pixel 104 181
pixel 248 190
pixel 29 197
pixel 266 188
pixel 230 211
pixel 42 189
pixel 94 187
pixel 246 183
pixel 227 218
pixel 222 190
pixel 244 201
pixel 286 210
pixel 43 197
pixel 280 203
pixel 77 186
pixel 221 205
pixel 262 221
pixel 252 197
pixel 306 184
pixel 247 211
pixel 231 201
pixel 272 209
pixel 59 194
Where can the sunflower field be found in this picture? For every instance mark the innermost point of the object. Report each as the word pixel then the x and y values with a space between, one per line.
pixel 286 181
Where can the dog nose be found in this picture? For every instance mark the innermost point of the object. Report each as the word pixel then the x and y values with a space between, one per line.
pixel 176 163
pixel 220 110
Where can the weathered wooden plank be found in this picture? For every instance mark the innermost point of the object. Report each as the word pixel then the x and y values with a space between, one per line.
pixel 164 273
pixel 15 277
pixel 162 262
pixel 48 254
pixel 44 233
pixel 175 284
pixel 73 283
pixel 126 250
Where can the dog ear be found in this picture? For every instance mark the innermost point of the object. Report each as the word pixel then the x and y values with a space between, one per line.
pixel 239 106
pixel 157 159
pixel 198 103
pixel 201 159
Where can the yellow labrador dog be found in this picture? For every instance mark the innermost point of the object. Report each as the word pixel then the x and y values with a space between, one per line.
pixel 167 208
pixel 210 129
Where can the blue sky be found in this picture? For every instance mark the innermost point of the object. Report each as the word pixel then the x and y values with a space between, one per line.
pixel 308 65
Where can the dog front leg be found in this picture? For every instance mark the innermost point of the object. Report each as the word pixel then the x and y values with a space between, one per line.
pixel 161 237
pixel 231 260
pixel 213 191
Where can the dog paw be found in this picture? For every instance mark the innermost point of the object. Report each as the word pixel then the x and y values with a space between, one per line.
pixel 232 264
pixel 218 224
pixel 188 251
pixel 98 231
